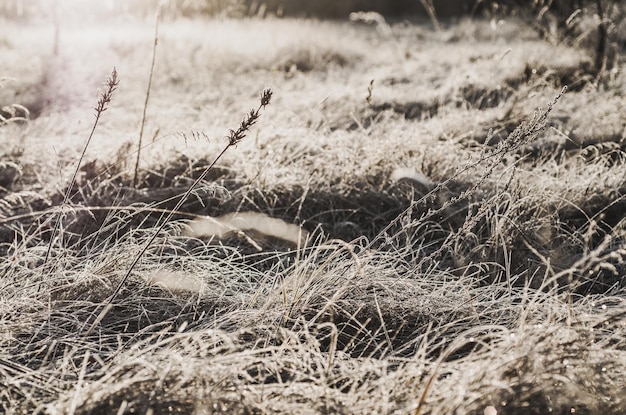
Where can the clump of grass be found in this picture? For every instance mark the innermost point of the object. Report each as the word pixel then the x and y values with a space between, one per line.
pixel 487 162
pixel 234 137
pixel 591 24
pixel 104 100
pixel 373 18
pixel 416 321
pixel 12 112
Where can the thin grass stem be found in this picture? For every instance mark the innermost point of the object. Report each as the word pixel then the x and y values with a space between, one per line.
pixel 103 101
pixel 145 104
pixel 234 137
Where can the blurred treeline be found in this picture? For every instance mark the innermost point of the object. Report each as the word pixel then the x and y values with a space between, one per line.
pixel 599 25
pixel 16 9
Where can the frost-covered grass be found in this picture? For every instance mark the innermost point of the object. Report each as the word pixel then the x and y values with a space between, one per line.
pixel 464 247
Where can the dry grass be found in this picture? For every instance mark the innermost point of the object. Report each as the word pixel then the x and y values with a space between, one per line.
pixel 465 249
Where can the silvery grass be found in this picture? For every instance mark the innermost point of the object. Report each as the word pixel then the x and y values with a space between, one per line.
pixel 343 328
pixel 346 328
pixel 104 99
pixel 234 137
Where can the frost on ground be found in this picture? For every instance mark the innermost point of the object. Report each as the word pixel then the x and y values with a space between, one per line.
pixel 447 238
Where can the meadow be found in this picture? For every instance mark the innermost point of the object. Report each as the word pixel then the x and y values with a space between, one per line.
pixel 417 221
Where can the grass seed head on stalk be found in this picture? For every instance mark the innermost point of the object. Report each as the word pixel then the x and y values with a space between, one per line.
pixel 235 136
pixel 104 99
pixel 110 84
pixel 266 97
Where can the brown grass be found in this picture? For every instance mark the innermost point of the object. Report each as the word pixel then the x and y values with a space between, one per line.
pixel 465 247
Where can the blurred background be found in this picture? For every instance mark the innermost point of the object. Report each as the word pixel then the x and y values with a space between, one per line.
pixel 16 9
pixel 319 8
pixel 597 25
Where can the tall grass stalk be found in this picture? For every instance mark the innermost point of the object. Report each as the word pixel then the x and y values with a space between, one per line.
pixel 110 85
pixel 145 104
pixel 432 14
pixel 234 137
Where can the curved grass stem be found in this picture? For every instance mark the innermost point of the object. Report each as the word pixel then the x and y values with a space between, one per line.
pixel 234 137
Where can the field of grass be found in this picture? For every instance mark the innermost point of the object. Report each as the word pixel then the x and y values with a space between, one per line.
pixel 419 222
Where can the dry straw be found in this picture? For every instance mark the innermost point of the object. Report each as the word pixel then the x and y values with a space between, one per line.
pixel 104 100
pixel 234 137
pixel 145 104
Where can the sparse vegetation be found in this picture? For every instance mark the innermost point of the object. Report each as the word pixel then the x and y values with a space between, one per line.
pixel 594 25
pixel 423 222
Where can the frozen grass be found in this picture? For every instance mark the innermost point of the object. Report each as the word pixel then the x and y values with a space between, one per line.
pixel 489 273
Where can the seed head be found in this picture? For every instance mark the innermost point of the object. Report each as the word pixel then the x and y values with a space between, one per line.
pixel 110 85
pixel 235 136
pixel 266 96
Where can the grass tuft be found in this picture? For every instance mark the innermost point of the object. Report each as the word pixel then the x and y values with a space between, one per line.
pixel 104 99
pixel 234 138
